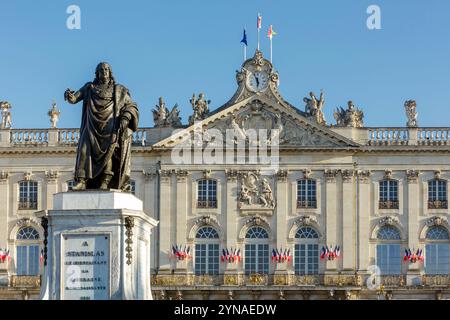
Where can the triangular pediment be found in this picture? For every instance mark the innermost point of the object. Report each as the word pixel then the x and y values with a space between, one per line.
pixel 257 104
pixel 291 128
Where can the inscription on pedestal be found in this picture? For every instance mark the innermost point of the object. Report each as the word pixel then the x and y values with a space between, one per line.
pixel 85 267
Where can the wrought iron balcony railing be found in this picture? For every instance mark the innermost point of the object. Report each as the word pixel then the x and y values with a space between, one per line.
pixel 28 205
pixel 307 204
pixel 206 204
pixel 437 204
pixel 389 204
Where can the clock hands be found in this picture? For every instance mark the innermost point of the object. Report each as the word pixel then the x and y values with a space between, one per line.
pixel 257 81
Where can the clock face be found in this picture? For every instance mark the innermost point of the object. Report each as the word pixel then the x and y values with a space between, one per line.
pixel 258 81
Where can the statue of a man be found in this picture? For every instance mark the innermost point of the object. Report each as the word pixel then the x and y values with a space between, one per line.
pixel 109 118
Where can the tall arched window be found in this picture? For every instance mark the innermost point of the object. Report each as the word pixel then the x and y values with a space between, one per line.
pixel 306 193
pixel 207 251
pixel 388 194
pixel 207 193
pixel 437 194
pixel 28 195
pixel 306 258
pixel 437 251
pixel 27 249
pixel 388 250
pixel 257 251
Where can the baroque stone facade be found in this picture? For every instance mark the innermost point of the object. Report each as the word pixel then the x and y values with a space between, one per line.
pixel 346 163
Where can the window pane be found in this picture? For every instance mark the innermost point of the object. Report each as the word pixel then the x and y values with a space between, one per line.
pixel 389 258
pixel 437 257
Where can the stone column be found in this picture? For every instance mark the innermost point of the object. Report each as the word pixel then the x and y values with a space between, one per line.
pixel 412 209
pixel 165 230
pixel 331 213
pixel 181 215
pixel 232 217
pixel 363 219
pixel 281 216
pixel 52 188
pixel 348 220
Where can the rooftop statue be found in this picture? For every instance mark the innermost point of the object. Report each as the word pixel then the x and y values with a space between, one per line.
pixel 109 118
pixel 411 113
pixel 6 115
pixel 163 118
pixel 200 107
pixel 314 107
pixel 352 117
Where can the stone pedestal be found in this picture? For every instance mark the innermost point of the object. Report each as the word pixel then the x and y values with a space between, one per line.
pixel 98 247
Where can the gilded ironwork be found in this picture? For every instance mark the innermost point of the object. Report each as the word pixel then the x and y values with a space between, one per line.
pixel 232 279
pixel 44 224
pixel 25 281
pixel 307 280
pixel 129 224
pixel 256 279
pixel 393 280
pixel 342 280
pixel 436 280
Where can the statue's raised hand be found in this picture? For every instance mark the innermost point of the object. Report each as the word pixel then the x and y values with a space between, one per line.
pixel 69 96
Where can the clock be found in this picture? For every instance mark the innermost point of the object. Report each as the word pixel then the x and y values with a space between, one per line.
pixel 257 81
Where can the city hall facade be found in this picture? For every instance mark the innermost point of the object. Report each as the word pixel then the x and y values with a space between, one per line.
pixel 349 212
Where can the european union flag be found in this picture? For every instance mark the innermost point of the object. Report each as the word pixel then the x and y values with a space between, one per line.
pixel 244 38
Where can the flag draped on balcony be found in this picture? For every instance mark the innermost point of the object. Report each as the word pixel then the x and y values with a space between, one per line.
pixel 330 253
pixel 181 253
pixel 4 255
pixel 413 256
pixel 281 255
pixel 231 256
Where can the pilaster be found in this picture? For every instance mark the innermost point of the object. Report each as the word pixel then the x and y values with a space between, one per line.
pixel 165 230
pixel 331 213
pixel 281 216
pixel 348 220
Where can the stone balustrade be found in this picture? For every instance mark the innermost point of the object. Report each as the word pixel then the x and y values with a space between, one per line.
pixel 29 136
pixel 433 136
pixel 395 136
pixel 388 136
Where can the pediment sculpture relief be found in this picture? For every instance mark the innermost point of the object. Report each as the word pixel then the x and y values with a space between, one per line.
pixel 280 129
pixel 255 192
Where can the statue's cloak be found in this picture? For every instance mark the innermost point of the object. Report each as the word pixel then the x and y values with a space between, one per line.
pixel 100 139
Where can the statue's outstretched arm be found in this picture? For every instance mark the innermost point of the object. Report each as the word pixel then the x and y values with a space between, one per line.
pixel 73 97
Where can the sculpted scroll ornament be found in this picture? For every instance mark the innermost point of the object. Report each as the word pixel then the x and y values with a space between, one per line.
pixel 412 175
pixel 306 221
pixel 437 221
pixel 388 221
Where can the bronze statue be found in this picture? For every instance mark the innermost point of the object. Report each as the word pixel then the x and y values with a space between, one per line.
pixel 109 118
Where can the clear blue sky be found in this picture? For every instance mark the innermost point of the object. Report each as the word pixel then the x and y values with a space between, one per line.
pixel 175 48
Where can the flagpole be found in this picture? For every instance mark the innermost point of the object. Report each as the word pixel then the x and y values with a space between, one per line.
pixel 258 39
pixel 270 49
pixel 245 52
